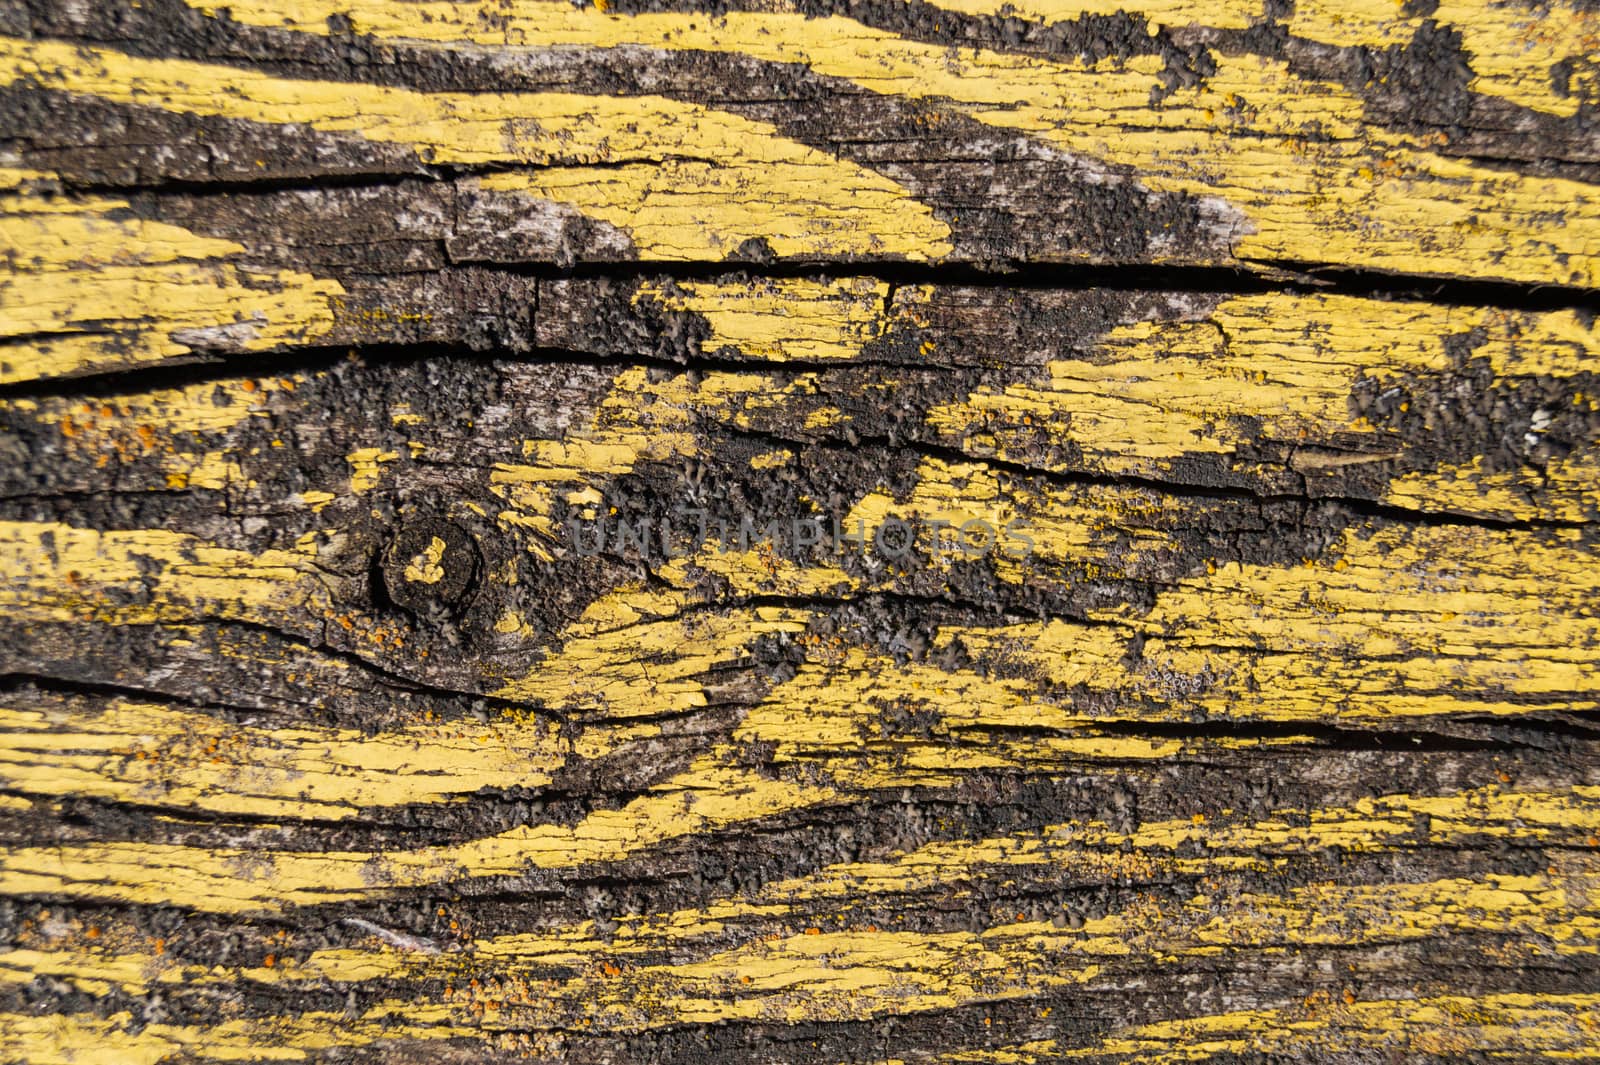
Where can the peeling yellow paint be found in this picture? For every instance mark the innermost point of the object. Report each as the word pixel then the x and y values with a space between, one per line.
pixel 366 467
pixel 1149 394
pixel 683 181
pixel 782 319
pixel 91 288
pixel 56 572
pixel 147 753
pixel 1288 167
pixel 87 1039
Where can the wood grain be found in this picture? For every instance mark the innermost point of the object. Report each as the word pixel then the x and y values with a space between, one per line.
pixel 1261 339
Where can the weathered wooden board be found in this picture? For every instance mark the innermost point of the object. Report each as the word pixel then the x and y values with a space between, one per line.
pixel 1365 140
pixel 1252 348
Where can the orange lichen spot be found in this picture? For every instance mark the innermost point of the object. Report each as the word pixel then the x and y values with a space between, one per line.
pixel 813 931
pixel 270 960
pixel 93 932
pixel 247 386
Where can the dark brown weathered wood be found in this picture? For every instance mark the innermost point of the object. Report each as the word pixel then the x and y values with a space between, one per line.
pixel 332 335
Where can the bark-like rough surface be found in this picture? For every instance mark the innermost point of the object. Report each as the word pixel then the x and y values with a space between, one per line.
pixel 799 532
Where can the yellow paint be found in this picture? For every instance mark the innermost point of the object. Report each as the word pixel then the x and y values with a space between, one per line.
pixel 1385 623
pixel 86 1039
pixel 709 794
pixel 1568 489
pixel 856 973
pixel 13 178
pixel 1093 851
pixel 1499 616
pixel 96 972
pixel 187 415
pixel 150 754
pixel 424 567
pixel 635 422
pixel 1150 393
pixel 647 668
pixel 212 470
pixel 160 440
pixel 839 705
pixel 683 181
pixel 1227 15
pixel 782 319
pixel 90 288
pixel 1017 528
pixel 366 467
pixel 750 956
pixel 1364 634
pixel 770 460
pixel 1544 1027
pixel 1287 168
pixel 1511 46
pixel 55 572
pixel 1551 1026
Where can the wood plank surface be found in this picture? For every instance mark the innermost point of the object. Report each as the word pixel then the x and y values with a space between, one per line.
pixel 793 531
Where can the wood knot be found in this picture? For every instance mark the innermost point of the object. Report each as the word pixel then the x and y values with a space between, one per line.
pixel 429 565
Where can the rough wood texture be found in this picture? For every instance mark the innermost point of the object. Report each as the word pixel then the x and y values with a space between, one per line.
pixel 1261 337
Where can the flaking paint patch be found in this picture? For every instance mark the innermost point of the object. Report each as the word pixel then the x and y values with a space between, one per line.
pixel 91 289
pixel 684 181
pixel 785 318
pixel 1313 180
pixel 147 753
pixel 60 573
